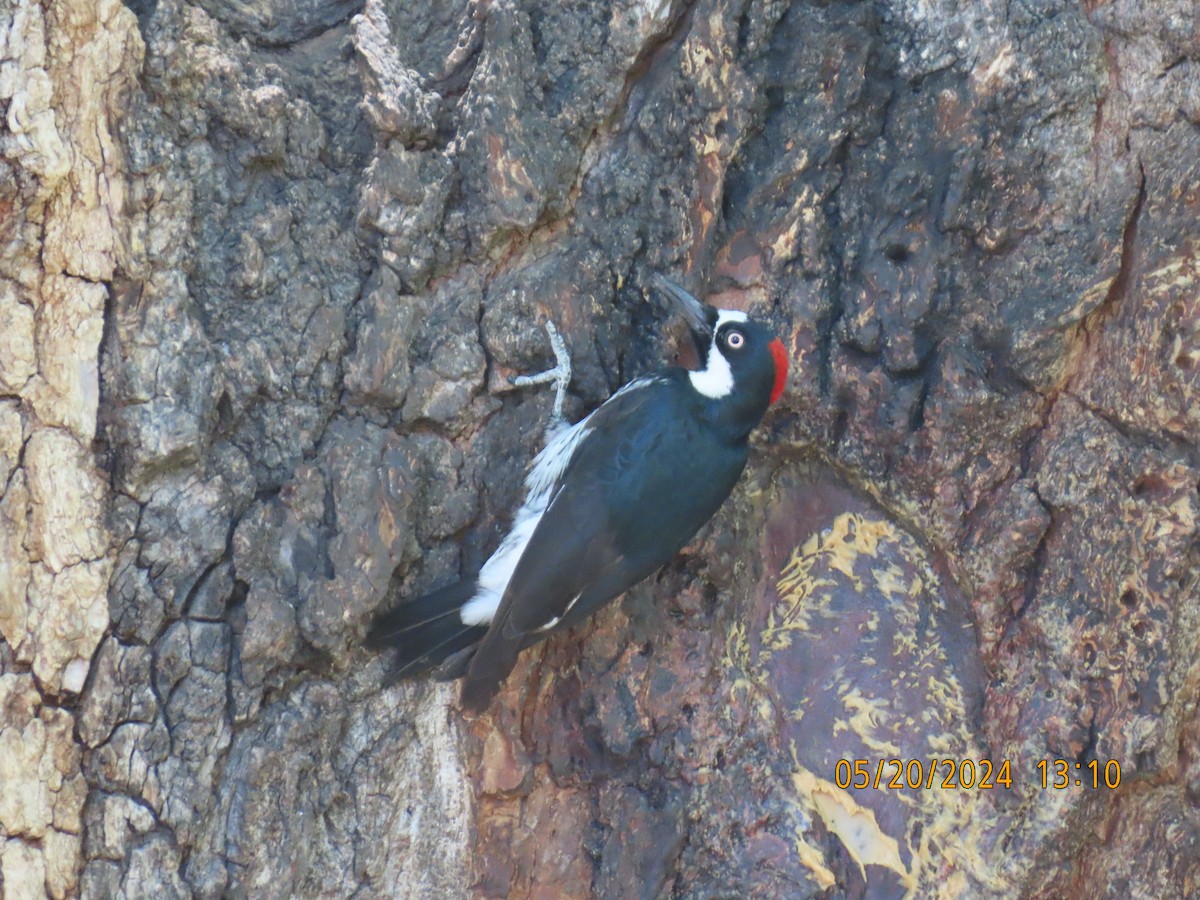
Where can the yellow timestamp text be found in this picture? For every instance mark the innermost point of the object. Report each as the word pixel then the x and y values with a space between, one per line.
pixel 1059 774
pixel 971 774
pixel 949 774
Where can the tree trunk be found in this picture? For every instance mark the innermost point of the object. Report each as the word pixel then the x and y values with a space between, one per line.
pixel 265 271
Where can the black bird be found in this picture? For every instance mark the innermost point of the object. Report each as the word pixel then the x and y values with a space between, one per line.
pixel 609 500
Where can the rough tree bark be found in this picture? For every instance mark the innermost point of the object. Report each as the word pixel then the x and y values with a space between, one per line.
pixel 264 272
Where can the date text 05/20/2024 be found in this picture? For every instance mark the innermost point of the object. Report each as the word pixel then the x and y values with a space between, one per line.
pixel 973 774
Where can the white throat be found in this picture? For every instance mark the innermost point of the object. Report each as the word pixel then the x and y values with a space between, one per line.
pixel 715 380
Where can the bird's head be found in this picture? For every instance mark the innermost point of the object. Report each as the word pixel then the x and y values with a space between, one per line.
pixel 744 365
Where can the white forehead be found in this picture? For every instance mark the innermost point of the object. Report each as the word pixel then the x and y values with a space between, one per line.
pixel 715 380
pixel 725 316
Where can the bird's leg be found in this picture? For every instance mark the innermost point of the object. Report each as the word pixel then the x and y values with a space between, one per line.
pixel 560 374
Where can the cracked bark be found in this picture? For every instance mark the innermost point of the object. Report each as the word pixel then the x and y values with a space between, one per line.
pixel 264 275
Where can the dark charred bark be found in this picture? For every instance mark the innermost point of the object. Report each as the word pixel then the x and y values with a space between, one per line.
pixel 306 244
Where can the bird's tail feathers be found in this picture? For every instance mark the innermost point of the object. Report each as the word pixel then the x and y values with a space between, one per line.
pixel 488 668
pixel 425 631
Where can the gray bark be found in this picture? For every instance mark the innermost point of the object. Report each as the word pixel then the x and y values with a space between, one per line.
pixel 265 272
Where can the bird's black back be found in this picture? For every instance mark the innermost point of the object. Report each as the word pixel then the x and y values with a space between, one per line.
pixel 648 475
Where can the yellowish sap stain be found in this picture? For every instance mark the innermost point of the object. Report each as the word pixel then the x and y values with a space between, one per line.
pixel 866 714
pixel 943 835
pixel 840 548
pixel 855 826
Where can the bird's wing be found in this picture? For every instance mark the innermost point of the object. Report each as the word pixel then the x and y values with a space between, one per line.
pixel 589 546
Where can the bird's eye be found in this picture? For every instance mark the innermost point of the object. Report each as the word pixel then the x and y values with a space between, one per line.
pixel 734 340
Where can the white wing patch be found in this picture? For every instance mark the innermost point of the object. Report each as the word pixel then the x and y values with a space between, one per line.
pixel 715 380
pixel 558 619
pixel 496 572
pixel 540 486
pixel 480 609
pixel 644 381
pixel 549 464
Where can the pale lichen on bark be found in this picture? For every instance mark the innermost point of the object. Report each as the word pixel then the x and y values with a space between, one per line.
pixel 265 272
pixel 65 71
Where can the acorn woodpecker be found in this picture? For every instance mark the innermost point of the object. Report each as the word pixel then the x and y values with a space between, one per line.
pixel 609 500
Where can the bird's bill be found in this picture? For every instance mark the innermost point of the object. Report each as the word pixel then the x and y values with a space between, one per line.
pixel 698 314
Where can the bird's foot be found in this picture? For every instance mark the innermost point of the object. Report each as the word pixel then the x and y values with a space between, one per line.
pixel 560 374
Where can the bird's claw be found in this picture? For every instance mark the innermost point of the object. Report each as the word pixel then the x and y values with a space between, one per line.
pixel 560 374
